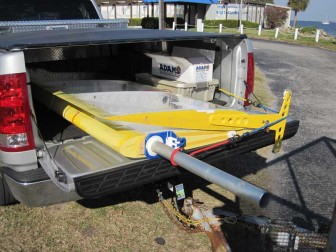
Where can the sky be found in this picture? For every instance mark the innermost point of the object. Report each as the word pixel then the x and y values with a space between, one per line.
pixel 317 10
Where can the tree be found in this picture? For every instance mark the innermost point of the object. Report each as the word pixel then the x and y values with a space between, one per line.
pixel 298 5
pixel 275 16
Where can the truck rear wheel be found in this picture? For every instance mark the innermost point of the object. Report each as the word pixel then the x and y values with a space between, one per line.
pixel 6 197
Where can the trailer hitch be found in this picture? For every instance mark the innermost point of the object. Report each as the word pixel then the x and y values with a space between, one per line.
pixel 209 223
pixel 194 217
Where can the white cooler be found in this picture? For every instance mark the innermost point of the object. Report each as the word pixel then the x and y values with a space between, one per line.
pixel 203 91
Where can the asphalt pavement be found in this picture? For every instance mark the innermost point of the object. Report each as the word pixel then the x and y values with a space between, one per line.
pixel 304 174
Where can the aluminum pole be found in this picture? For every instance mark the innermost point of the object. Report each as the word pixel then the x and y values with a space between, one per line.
pixel 214 175
pixel 161 15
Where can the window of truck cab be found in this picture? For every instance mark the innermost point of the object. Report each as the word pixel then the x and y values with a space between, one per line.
pixel 27 10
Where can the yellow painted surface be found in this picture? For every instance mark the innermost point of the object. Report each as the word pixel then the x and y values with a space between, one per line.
pixel 200 128
pixel 126 141
pixel 75 102
pixel 123 140
pixel 197 138
pixel 279 128
pixel 221 120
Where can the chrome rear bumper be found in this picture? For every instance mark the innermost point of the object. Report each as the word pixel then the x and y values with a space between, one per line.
pixel 39 193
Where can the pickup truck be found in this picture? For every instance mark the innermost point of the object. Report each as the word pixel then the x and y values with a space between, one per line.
pixel 58 58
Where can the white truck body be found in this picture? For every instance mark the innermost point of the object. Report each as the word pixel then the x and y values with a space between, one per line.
pixel 46 160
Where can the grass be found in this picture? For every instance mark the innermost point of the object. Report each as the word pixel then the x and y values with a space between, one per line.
pixel 74 227
pixel 284 36
pixel 261 89
pixel 129 221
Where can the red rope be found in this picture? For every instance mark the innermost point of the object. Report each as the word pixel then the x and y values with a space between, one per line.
pixel 225 142
pixel 173 155
pixel 209 147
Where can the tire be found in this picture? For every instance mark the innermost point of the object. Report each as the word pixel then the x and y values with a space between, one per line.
pixel 6 197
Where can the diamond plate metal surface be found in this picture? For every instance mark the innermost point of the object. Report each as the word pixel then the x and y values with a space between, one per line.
pixel 63 53
pixel 28 26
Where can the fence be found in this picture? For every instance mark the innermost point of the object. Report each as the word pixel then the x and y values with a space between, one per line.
pixel 184 26
pixel 289 34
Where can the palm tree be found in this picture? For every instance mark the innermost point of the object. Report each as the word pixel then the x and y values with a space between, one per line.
pixel 298 5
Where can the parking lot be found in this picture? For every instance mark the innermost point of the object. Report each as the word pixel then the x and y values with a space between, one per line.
pixel 304 175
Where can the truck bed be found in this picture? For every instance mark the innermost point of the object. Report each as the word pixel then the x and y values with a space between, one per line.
pixel 97 169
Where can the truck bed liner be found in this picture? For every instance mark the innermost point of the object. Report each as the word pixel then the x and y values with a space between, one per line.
pixel 85 156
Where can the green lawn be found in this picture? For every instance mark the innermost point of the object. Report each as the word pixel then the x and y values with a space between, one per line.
pixel 285 36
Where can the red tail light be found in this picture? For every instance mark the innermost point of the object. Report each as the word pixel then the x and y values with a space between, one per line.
pixel 250 78
pixel 15 124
